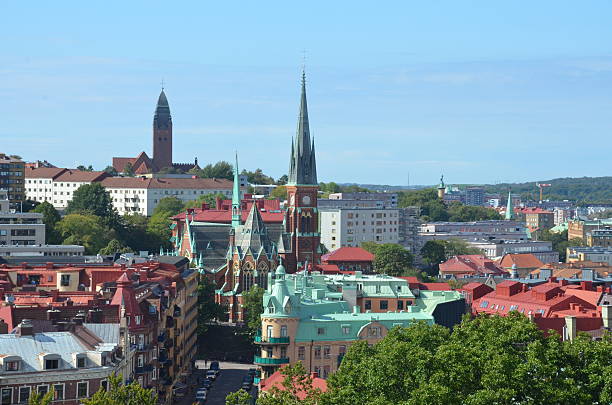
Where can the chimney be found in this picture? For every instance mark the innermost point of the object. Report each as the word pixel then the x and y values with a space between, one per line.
pixel 53 314
pixel 25 328
pixel 570 328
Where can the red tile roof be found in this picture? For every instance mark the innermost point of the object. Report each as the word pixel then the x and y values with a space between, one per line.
pixel 225 216
pixel 522 261
pixel 43 172
pixel 276 381
pixel 80 176
pixel 477 265
pixel 348 254
pixel 166 183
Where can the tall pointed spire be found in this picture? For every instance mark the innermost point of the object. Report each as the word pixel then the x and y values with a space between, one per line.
pixel 236 200
pixel 509 207
pixel 302 168
pixel 162 117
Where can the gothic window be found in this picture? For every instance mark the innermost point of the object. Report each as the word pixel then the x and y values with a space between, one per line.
pixel 305 224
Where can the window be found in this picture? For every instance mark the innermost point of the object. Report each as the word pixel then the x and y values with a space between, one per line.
pixel 24 394
pixel 65 282
pixel 346 330
pixel 284 331
pixel 104 385
pixel 6 396
pixel 342 350
pixel 80 362
pixel 320 331
pixel 82 389
pixel 368 304
pixel 374 331
pixel 301 353
pixel 140 361
pixel 317 352
pixel 43 389
pixel 283 352
pixel 270 330
pixel 326 352
pixel 325 371
pixel 484 304
pixel 51 364
pixel 400 304
pixel 513 307
pixel 59 392
pixel 384 304
pixel 11 366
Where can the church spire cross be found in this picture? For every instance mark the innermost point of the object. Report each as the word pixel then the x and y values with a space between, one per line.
pixel 302 168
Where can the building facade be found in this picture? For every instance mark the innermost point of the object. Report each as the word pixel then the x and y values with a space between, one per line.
pixel 12 179
pixel 349 227
pixel 494 229
pixel 313 318
pixel 600 238
pixel 495 249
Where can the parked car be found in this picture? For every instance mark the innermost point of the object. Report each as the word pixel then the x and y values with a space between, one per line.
pixel 214 365
pixel 248 378
pixel 201 395
pixel 246 385
pixel 211 374
pixel 253 372
pixel 206 384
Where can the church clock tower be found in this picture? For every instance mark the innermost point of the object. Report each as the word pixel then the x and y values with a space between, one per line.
pixel 302 216
pixel 162 134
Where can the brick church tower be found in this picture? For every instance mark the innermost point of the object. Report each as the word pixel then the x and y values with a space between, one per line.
pixel 302 217
pixel 162 134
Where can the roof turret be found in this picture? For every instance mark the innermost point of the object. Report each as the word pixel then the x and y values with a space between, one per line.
pixel 303 165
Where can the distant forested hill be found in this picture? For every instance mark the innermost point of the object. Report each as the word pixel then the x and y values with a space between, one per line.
pixel 581 189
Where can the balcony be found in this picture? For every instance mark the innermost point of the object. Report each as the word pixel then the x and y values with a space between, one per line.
pixel 141 347
pixel 146 369
pixel 262 340
pixel 270 361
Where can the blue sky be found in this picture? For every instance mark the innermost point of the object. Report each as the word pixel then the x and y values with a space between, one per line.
pixel 481 91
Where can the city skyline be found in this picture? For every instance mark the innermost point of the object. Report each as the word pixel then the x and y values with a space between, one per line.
pixel 386 100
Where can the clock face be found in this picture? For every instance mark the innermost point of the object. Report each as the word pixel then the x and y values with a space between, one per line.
pixel 306 200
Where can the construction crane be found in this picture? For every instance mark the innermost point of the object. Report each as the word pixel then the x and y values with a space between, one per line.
pixel 541 187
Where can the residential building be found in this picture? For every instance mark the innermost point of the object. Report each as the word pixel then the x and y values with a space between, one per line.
pixel 575 271
pixel 348 259
pixel 383 200
pixel 346 227
pixel 520 263
pixel 579 228
pixel 475 196
pixel 591 254
pixel 39 183
pixel 495 249
pixel 139 195
pixel 409 225
pixel 562 215
pixel 536 218
pixel 12 179
pixel 162 146
pixel 73 363
pixel 464 266
pixel 552 305
pixel 314 318
pixel 475 230
pixel 600 237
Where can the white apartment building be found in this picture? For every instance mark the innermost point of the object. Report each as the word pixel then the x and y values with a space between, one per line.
pixel 351 226
pixel 138 195
pixel 56 185
pixel 130 195
pixel 19 229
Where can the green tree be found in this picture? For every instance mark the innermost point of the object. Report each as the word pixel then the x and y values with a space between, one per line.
pixel 29 205
pixel 433 253
pixel 40 399
pixel 94 199
pixel 171 205
pixel 253 308
pixel 111 170
pixel 559 241
pixel 428 364
pixel 392 259
pixel 210 199
pixel 85 169
pixel 86 230
pixel 456 247
pixel 128 170
pixel 114 246
pixel 220 170
pixel 371 247
pixel 208 309
pixel 121 394
pixel 279 192
pixel 50 217
pixel 159 228
pixel 458 212
pixel 240 397
pixel 282 180
pixel 297 388
pixel 258 177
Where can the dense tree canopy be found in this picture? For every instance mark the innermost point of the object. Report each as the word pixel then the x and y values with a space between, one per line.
pixel 253 308
pixel 171 205
pixel 487 360
pixel 84 229
pixel 392 259
pixel 120 394
pixel 435 252
pixel 219 170
pixel 279 192
pixel 50 218
pixel 210 199
pixel 559 241
pixel 208 309
pixel 258 177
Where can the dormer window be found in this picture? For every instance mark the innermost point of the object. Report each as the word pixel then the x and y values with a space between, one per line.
pixel 11 365
pixel 51 364
pixel 65 280
pixel 80 362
